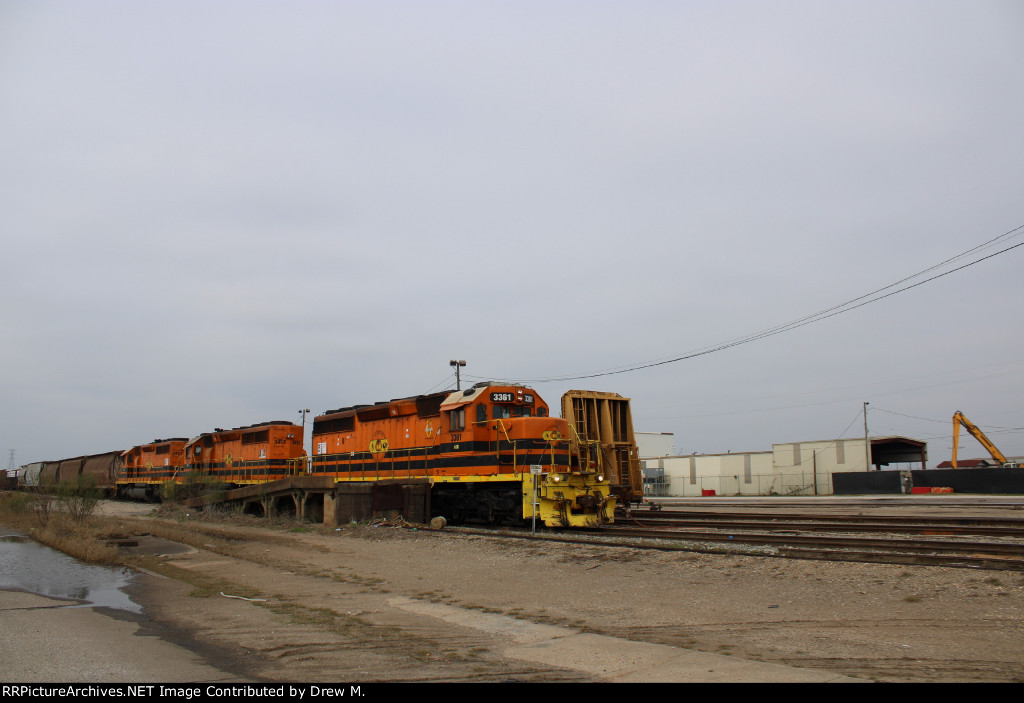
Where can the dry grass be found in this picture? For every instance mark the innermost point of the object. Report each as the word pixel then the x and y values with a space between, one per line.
pixel 56 524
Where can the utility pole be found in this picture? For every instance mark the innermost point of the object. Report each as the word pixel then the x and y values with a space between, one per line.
pixel 457 364
pixel 303 413
pixel 867 442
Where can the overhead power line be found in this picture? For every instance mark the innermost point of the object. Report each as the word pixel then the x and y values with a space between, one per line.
pixel 858 302
pixel 947 421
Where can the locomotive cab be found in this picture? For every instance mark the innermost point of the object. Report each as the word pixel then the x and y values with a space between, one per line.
pixel 557 482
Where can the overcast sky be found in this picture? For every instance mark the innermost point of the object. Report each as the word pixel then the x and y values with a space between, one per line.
pixel 216 214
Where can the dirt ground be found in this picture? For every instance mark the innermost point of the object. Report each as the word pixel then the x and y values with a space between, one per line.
pixel 394 604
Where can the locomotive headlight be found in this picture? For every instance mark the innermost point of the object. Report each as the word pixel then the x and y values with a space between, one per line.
pixel 556 478
pixel 600 478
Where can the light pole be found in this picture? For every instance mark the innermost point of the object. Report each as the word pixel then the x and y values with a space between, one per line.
pixel 457 364
pixel 867 441
pixel 303 413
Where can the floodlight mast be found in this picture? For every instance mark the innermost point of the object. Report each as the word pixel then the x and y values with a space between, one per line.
pixel 458 364
pixel 304 412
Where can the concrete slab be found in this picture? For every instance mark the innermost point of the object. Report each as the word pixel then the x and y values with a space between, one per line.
pixel 615 659
pixel 45 640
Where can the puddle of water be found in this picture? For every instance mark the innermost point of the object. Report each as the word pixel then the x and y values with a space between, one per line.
pixel 29 566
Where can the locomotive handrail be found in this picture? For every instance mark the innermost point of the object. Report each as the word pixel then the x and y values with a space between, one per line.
pixel 497 448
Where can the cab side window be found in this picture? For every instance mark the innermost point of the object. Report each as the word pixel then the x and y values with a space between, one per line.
pixel 457 420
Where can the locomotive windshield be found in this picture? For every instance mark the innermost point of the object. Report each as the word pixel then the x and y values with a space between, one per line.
pixel 500 412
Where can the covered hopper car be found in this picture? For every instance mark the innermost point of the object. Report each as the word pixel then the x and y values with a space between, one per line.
pixel 28 475
pixel 100 469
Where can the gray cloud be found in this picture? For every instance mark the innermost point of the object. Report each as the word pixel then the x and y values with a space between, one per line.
pixel 218 214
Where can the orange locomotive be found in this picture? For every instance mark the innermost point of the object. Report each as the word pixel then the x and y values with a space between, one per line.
pixel 491 452
pixel 236 457
pixel 149 466
pixel 245 455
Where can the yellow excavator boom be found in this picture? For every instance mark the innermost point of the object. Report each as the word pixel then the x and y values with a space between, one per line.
pixel 959 419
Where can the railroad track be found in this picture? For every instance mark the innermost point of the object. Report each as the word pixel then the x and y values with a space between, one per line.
pixel 1010 527
pixel 1004 555
pixel 891 539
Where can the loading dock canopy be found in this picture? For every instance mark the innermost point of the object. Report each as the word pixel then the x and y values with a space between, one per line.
pixel 897 450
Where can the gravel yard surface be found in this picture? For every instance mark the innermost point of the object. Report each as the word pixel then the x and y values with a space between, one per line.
pixel 394 604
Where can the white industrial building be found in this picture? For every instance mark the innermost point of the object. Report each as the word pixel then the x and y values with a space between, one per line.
pixel 792 468
pixel 654 444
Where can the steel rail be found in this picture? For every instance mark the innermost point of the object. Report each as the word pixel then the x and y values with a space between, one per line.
pixel 990 556
pixel 831 541
pixel 831 524
pixel 994 520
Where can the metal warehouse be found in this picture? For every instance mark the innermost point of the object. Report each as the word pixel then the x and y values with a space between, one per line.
pixel 791 468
